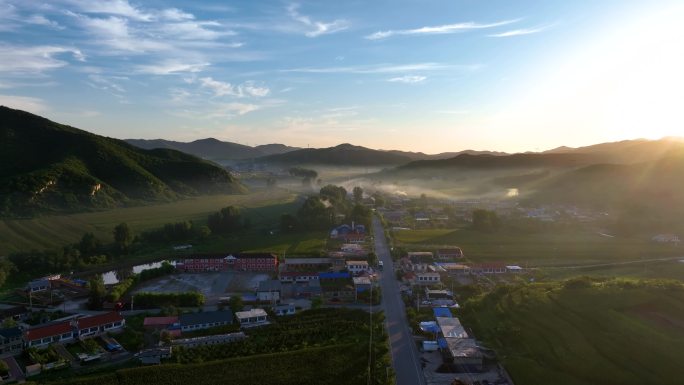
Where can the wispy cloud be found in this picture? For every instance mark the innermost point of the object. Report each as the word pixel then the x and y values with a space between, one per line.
pixel 316 28
pixel 32 59
pixel 170 67
pixel 42 20
pixel 245 89
pixel 25 103
pixel 520 32
pixel 439 29
pixel 112 7
pixel 409 79
pixel 384 68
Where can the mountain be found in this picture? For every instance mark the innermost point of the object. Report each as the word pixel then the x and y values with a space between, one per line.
pixel 340 155
pixel 443 155
pixel 652 189
pixel 626 151
pixel 486 161
pixel 214 149
pixel 50 167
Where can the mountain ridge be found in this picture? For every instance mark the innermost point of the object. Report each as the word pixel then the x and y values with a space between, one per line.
pixel 49 167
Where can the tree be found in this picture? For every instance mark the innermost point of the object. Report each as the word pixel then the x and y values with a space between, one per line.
pixel 362 214
pixel 8 323
pixel 288 222
pixel 334 193
pixel 485 220
pixel 89 245
pixel 97 292
pixel 227 220
pixel 358 194
pixel 235 303
pixel 123 236
pixel 379 200
pixel 314 214
pixel 6 267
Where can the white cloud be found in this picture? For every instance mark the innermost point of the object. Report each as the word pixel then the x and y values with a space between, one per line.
pixel 33 59
pixel 107 83
pixel 384 68
pixel 219 88
pixel 240 108
pixel 25 103
pixel 519 32
pixel 439 29
pixel 115 32
pixel 175 14
pixel 410 79
pixel 194 30
pixel 170 67
pixel 246 89
pixel 42 20
pixel 316 28
pixel 112 7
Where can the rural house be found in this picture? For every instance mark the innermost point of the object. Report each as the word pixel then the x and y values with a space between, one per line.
pixel 44 335
pixel 357 267
pixel 269 290
pixel 449 254
pixel 10 341
pixel 205 320
pixel 99 324
pixel 251 318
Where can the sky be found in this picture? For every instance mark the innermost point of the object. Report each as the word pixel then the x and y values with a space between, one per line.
pixel 415 75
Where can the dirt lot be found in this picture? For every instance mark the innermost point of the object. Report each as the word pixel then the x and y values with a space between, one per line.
pixel 212 285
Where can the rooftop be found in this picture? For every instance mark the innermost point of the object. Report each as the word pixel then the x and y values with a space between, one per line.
pixel 97 320
pixel 49 330
pixel 10 332
pixel 159 321
pixel 270 285
pixel 362 281
pixel 313 260
pixel 451 327
pixel 251 313
pixel 463 347
pixel 206 317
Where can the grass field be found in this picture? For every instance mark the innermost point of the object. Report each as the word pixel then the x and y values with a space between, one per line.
pixel 54 231
pixel 546 248
pixel 609 332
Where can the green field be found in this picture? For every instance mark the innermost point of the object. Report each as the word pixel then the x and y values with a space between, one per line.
pixel 55 231
pixel 546 248
pixel 606 332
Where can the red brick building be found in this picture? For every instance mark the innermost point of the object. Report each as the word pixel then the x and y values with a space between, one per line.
pixel 225 262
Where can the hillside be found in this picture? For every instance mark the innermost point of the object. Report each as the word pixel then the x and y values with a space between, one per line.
pixel 341 155
pixel 655 187
pixel 443 155
pixel 213 149
pixel 626 151
pixel 583 331
pixel 487 161
pixel 49 167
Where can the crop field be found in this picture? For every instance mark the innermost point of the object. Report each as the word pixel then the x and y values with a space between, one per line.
pixel 584 331
pixel 547 248
pixel 54 231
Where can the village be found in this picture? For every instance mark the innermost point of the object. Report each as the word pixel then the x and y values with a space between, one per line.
pixel 234 293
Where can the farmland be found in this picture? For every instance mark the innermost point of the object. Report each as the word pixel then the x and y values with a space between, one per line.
pixel 56 231
pixel 584 331
pixel 554 247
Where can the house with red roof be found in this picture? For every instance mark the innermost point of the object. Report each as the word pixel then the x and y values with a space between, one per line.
pixel 99 324
pixel 44 335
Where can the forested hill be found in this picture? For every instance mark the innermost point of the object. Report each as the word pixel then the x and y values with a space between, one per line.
pixel 50 167
pixel 341 155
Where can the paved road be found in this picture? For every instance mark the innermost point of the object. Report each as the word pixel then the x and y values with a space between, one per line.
pixel 405 357
pixel 15 371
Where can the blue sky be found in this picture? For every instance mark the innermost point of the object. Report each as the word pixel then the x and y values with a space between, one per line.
pixel 414 75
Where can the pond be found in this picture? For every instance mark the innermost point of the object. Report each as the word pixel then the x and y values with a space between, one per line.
pixel 113 277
